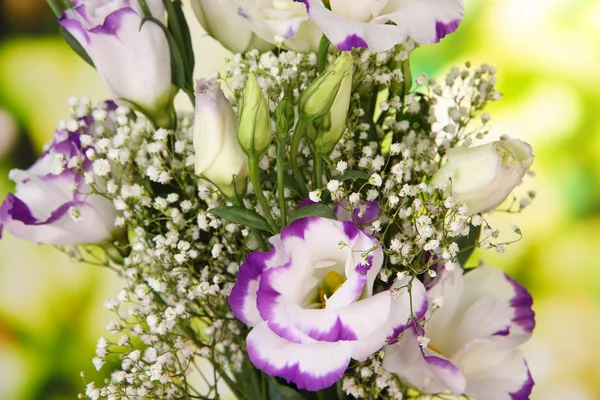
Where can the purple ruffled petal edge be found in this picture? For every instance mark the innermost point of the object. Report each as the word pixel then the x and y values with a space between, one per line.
pixel 113 22
pixel 522 302
pixel 293 373
pixel 251 270
pixel 268 300
pixel 442 29
pixel 525 391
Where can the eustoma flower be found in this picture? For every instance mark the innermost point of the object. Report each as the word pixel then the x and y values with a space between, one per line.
pixel 311 303
pixel 219 156
pixel 133 59
pixel 381 24
pixel 222 20
pixel 482 177
pixel 470 344
pixel 52 203
pixel 282 20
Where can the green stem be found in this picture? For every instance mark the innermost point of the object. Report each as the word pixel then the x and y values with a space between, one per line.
pixel 255 179
pixel 295 145
pixel 280 186
pixel 322 54
pixel 317 171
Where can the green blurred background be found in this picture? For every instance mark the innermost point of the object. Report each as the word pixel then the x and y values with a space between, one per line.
pixel 548 60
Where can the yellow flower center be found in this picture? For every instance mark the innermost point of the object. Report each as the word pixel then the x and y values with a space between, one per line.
pixel 332 282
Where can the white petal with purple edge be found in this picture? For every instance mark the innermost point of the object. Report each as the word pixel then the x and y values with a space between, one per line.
pixel 423 368
pixel 347 34
pixel 134 48
pixel 311 366
pixel 493 281
pixel 508 380
pixel 424 21
pixel 397 319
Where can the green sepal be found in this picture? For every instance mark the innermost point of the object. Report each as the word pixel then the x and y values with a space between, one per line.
pixel 313 210
pixel 76 46
pixel 468 243
pixel 241 216
pixel 59 6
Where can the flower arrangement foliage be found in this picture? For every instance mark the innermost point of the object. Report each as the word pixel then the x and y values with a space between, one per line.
pixel 306 232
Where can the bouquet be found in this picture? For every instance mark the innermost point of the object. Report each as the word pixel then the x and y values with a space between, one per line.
pixel 306 232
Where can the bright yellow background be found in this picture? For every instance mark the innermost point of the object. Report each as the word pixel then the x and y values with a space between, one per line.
pixel 547 54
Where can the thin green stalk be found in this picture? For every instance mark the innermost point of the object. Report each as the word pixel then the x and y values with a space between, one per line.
pixel 280 186
pixel 295 145
pixel 255 179
pixel 317 171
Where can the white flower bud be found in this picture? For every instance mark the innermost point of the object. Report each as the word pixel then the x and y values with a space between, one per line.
pixel 482 177
pixel 218 154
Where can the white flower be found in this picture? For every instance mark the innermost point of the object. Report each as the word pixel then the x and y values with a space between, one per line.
pixel 132 59
pixel 380 25
pixel 482 177
pixel 219 156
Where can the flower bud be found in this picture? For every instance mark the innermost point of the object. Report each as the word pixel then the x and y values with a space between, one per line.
pixel 284 116
pixel 219 156
pixel 254 130
pixel 333 86
pixel 482 177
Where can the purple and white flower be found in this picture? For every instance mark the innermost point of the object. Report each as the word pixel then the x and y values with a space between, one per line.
pixel 52 204
pixel 311 303
pixel 381 24
pixel 469 344
pixel 133 60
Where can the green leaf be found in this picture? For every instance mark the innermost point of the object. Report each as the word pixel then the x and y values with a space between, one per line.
pixel 281 392
pixel 178 26
pixel 241 216
pixel 77 48
pixel 313 210
pixel 248 382
pixel 468 244
pixel 352 175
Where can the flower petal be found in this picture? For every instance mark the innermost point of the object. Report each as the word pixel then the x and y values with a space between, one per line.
pixel 133 61
pixel 425 22
pixel 399 313
pixel 59 229
pixel 493 281
pixel 508 380
pixel 423 368
pixel 347 34
pixel 311 366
